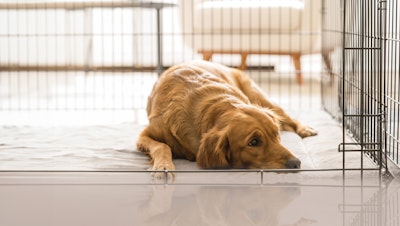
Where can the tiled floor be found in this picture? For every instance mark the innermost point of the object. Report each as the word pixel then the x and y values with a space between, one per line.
pixel 307 198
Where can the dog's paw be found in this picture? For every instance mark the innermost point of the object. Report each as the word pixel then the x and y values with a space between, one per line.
pixel 306 131
pixel 163 170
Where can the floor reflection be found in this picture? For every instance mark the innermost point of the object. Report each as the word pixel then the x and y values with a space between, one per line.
pixel 118 199
pixel 276 205
pixel 217 205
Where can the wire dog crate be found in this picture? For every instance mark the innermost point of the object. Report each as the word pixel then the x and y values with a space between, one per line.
pixel 104 56
pixel 65 62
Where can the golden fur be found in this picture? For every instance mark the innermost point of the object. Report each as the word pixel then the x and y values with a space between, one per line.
pixel 218 117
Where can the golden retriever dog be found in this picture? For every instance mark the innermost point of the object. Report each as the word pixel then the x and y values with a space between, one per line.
pixel 218 117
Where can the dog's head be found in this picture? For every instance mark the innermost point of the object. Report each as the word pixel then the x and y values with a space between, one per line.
pixel 246 138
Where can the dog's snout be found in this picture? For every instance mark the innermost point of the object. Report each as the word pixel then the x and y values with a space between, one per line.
pixel 293 163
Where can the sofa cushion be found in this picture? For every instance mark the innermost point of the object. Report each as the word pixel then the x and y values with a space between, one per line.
pixel 247 16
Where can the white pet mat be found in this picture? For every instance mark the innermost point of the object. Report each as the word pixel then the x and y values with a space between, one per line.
pixel 112 147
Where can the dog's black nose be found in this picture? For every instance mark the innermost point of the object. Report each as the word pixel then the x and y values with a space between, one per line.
pixel 293 163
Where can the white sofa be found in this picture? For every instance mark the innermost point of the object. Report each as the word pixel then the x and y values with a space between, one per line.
pixel 281 27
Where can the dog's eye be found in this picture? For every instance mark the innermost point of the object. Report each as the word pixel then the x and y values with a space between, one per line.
pixel 254 142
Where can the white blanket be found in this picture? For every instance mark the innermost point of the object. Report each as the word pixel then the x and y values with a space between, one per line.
pixel 112 147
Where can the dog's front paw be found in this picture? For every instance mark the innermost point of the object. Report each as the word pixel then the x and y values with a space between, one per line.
pixel 163 169
pixel 306 131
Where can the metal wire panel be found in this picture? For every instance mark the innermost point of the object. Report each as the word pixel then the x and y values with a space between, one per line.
pixel 361 89
pixel 105 55
pixel 362 80
pixel 391 64
pixel 78 56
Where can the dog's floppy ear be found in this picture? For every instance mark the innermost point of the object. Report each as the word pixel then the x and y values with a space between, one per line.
pixel 214 150
pixel 277 119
